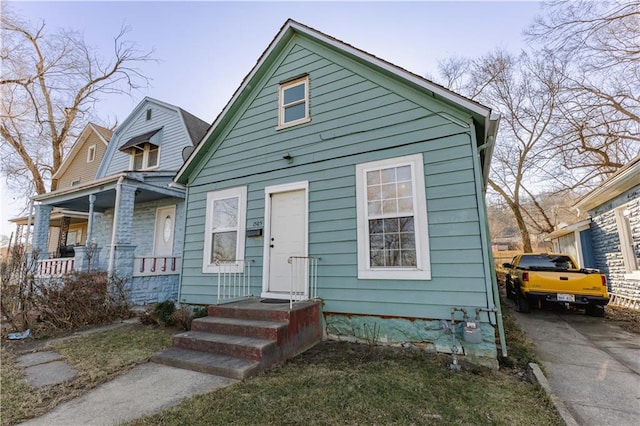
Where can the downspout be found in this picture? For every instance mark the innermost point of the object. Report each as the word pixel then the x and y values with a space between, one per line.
pixel 486 240
pixel 116 208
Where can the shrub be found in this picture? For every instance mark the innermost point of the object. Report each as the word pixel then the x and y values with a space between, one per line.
pixel 185 315
pixel 72 301
pixel 163 312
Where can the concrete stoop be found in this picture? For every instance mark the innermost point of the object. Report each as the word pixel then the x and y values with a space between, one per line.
pixel 240 339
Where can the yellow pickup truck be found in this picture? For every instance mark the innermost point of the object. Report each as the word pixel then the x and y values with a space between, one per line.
pixel 547 278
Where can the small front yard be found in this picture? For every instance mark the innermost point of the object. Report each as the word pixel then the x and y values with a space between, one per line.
pixel 344 383
pixel 333 383
pixel 97 357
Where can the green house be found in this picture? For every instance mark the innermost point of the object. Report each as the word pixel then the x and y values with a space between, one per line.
pixel 332 174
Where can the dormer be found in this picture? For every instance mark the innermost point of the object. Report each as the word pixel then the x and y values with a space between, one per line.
pixel 151 139
pixel 143 150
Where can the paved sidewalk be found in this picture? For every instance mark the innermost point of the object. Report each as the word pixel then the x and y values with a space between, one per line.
pixel 145 390
pixel 591 365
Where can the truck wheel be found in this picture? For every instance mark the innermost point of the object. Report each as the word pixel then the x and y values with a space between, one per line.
pixel 509 289
pixel 594 311
pixel 522 303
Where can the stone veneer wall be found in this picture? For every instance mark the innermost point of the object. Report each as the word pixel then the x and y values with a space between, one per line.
pixel 153 289
pixel 422 333
pixel 606 241
pixel 148 289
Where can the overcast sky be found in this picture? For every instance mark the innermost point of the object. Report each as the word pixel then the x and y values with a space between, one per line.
pixel 205 48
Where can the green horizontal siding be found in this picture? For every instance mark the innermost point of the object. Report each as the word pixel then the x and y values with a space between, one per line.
pixel 357 116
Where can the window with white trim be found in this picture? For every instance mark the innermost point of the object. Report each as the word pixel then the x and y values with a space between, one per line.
pixel 145 156
pixel 91 154
pixel 392 219
pixel 293 102
pixel 224 228
pixel 627 244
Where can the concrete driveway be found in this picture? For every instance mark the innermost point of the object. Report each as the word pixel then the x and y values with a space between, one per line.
pixel 592 366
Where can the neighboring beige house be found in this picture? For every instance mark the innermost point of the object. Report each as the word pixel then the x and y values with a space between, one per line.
pixel 82 162
pixel 69 228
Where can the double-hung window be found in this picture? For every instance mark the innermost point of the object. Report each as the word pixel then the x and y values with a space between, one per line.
pixel 627 244
pixel 145 157
pixel 91 154
pixel 293 102
pixel 392 219
pixel 224 228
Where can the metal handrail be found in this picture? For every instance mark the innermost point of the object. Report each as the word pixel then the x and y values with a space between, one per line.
pixel 234 279
pixel 304 272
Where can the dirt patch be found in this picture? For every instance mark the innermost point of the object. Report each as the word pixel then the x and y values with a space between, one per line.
pixel 628 319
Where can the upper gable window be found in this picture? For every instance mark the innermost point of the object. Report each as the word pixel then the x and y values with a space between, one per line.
pixel 144 157
pixel 91 154
pixel 144 150
pixel 293 102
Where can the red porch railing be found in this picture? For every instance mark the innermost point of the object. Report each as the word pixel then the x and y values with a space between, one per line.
pixel 152 265
pixel 55 267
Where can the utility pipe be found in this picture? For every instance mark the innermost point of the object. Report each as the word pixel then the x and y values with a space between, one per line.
pixel 116 208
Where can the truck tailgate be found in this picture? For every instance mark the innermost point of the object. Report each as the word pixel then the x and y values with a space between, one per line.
pixel 574 282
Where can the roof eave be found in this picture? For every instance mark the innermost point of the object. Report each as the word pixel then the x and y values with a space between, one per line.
pixel 287 31
pixel 622 181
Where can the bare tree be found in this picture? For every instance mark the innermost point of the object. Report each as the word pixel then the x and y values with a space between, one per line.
pixel 598 123
pixel 49 84
pixel 525 89
pixel 570 109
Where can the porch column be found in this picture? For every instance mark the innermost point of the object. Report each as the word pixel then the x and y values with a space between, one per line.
pixel 92 200
pixel 40 239
pixel 122 251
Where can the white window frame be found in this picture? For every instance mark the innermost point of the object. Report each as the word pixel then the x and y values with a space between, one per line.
pixel 145 157
pixel 237 192
pixel 91 154
pixel 422 271
pixel 281 106
pixel 630 260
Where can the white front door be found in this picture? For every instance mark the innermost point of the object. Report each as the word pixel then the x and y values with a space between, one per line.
pixel 163 237
pixel 286 209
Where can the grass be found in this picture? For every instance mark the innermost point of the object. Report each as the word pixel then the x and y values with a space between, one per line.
pixel 97 357
pixel 344 383
pixel 333 383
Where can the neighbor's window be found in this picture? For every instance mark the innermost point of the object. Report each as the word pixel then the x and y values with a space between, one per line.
pixel 144 157
pixel 627 245
pixel 293 102
pixel 224 228
pixel 91 154
pixel 392 219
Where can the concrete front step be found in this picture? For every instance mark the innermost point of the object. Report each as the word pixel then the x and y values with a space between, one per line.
pixel 250 348
pixel 257 309
pixel 239 327
pixel 204 362
pixel 242 338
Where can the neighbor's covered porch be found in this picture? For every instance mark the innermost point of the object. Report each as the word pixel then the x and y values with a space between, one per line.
pixel 131 221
